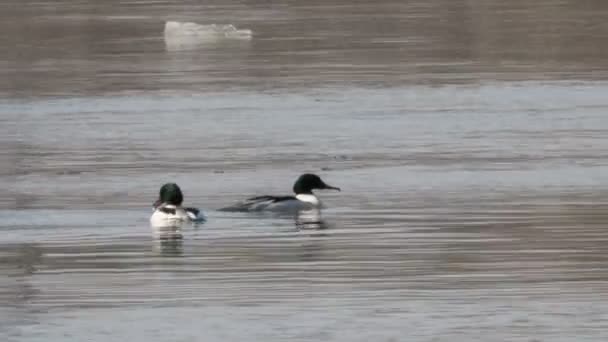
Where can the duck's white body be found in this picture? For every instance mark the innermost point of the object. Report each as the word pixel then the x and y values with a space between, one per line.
pixel 167 215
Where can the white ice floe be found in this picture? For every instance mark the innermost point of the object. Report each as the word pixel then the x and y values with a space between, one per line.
pixel 184 35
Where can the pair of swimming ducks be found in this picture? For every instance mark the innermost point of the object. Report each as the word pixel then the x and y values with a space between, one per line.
pixel 168 209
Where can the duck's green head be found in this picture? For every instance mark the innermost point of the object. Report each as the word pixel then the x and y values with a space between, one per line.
pixel 170 193
pixel 308 182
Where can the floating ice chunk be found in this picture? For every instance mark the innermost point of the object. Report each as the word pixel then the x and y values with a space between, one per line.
pixel 179 35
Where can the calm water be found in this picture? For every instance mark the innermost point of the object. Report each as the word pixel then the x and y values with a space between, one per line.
pixel 470 139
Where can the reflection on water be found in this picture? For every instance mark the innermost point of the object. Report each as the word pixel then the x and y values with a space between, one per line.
pixel 310 219
pixel 469 139
pixel 171 232
pixel 172 245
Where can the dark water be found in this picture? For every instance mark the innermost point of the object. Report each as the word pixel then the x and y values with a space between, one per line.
pixel 469 138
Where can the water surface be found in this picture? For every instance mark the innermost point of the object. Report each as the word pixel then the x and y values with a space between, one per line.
pixel 468 137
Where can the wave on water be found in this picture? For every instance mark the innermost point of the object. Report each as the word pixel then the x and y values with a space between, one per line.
pixel 186 35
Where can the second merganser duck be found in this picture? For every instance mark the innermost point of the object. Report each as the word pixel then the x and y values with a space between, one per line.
pixel 168 210
pixel 303 200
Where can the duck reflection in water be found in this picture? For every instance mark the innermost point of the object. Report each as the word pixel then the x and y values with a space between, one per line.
pixel 309 219
pixel 170 247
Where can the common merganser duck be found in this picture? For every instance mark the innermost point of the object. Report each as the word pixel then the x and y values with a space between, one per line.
pixel 303 200
pixel 168 210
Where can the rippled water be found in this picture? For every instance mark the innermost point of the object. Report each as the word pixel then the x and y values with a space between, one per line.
pixel 468 137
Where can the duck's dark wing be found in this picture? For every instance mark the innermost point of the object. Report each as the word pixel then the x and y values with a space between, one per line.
pixel 194 211
pixel 195 214
pixel 258 203
pixel 273 199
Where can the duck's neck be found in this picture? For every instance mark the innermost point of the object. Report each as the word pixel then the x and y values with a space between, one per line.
pixel 167 205
pixel 308 198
